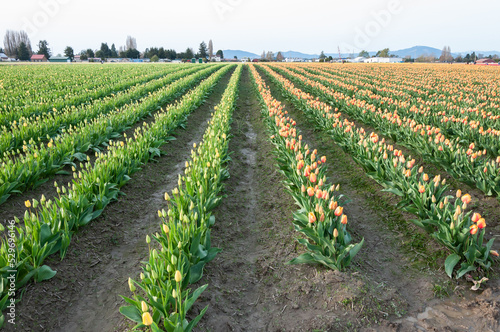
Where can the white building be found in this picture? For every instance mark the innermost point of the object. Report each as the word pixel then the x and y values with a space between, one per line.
pixel 384 60
pixel 357 60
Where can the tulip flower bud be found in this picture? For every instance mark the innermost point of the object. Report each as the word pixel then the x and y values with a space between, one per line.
pixel 147 319
pixel 335 233
pixel 178 276
pixel 27 204
pixel 167 197
pixel 142 276
pixel 159 213
pixel 148 239
pixel 174 293
pixel 459 193
pixel 446 201
pixel 144 306
pixel 441 205
pixel 179 245
pixel 165 229
pixel 131 285
pixel 452 225
pixel 433 199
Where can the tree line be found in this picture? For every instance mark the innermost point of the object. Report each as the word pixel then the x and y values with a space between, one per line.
pixel 18 45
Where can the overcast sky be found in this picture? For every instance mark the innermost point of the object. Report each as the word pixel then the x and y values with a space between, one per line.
pixel 257 25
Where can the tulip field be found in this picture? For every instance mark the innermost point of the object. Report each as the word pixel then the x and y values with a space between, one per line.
pixel 249 197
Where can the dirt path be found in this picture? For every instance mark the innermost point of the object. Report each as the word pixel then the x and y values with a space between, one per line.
pixel 85 292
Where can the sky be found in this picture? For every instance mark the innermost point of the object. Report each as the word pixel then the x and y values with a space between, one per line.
pixel 258 25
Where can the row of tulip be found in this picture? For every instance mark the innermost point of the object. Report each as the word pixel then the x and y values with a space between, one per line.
pixel 49 225
pixel 28 170
pixel 443 216
pixel 26 132
pixel 470 165
pixel 28 91
pixel 484 130
pixel 472 91
pixel 321 216
pixel 161 298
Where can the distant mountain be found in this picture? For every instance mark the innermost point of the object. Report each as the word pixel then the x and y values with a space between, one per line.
pixel 413 52
pixel 293 54
pixel 417 51
pixel 229 54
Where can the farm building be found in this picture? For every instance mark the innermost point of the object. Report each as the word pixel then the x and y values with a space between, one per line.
pixel 383 60
pixel 485 61
pixel 359 59
pixel 60 59
pixel 4 57
pixel 38 58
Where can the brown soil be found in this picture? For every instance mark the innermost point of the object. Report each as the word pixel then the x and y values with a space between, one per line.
pixel 395 283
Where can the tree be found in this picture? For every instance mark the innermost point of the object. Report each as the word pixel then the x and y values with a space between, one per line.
pixel 189 54
pixel 220 54
pixel 43 48
pixel 203 52
pixel 263 55
pixel 322 56
pixel 210 49
pixel 23 53
pixel 280 57
pixel 130 43
pixel 473 57
pixel 69 52
pixel 383 53
pixel 170 54
pixel 446 55
pixel 114 53
pixel 155 58
pixel 13 40
pixel 364 54
pixel 105 52
pixel 133 53
pixel 90 53
pixel 270 56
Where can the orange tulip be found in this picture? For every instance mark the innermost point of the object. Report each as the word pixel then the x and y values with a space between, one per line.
pixel 310 191
pixel 343 219
pixel 312 217
pixel 333 205
pixel 475 217
pixel 338 211
pixel 481 223
pixel 473 229
pixel 312 178
pixel 421 189
pixel 466 199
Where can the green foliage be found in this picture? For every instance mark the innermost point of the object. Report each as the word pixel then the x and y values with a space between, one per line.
pixel 23 53
pixel 69 52
pixel 155 58
pixel 43 48
pixel 383 53
pixel 364 53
